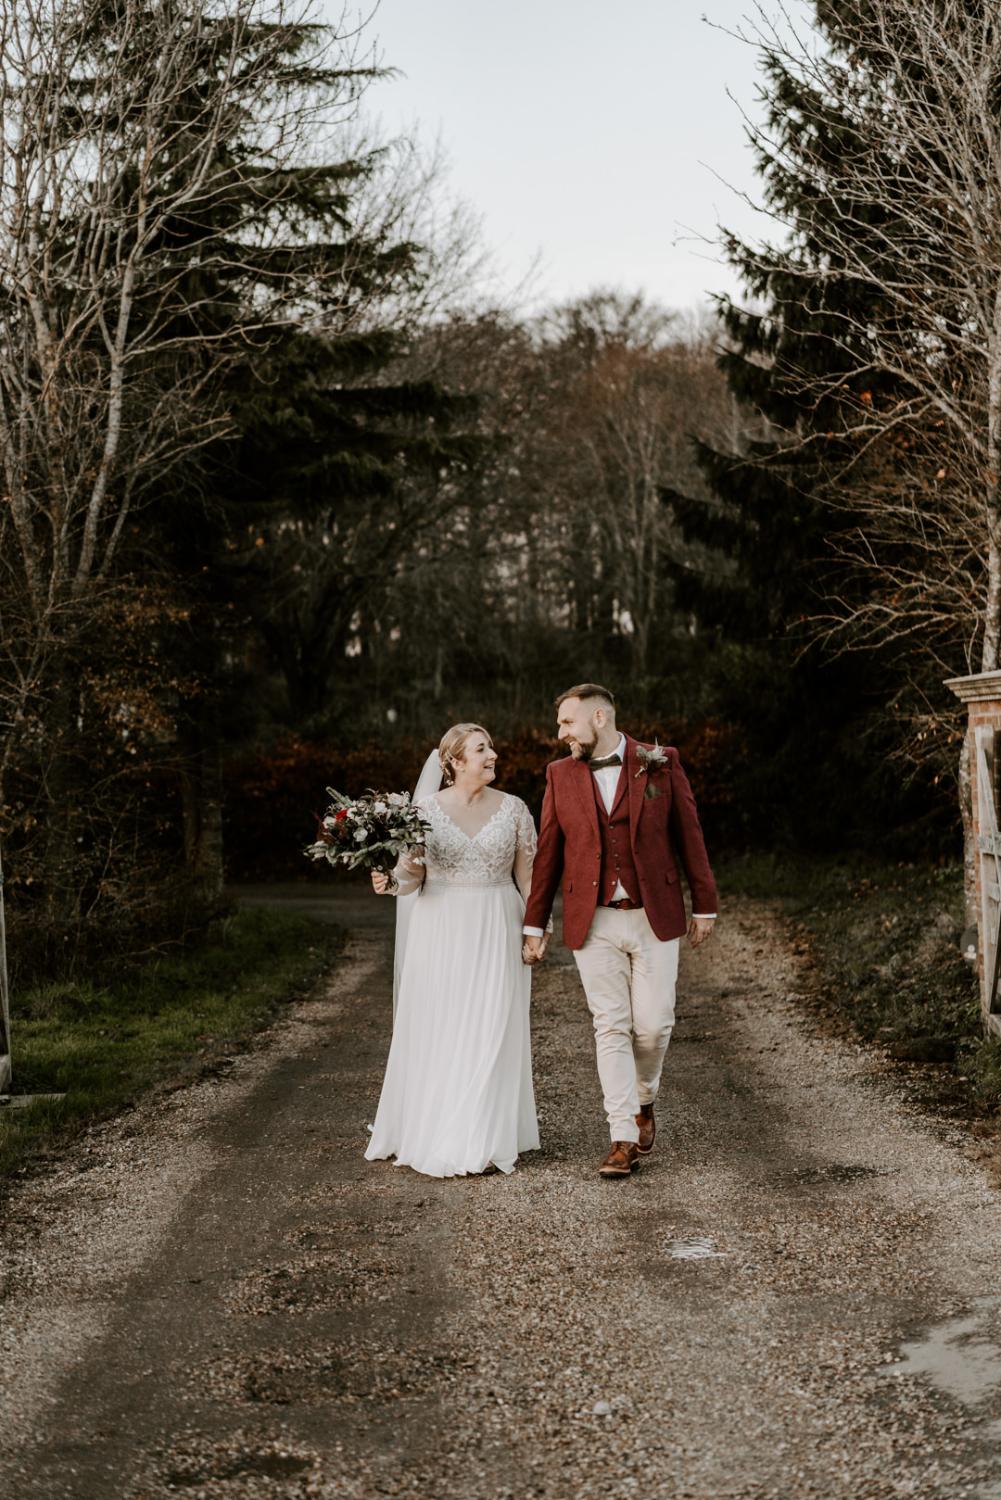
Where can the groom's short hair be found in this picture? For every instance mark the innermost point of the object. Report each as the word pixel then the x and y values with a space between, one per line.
pixel 587 690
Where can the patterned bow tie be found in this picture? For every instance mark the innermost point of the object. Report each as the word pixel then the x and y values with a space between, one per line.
pixel 609 760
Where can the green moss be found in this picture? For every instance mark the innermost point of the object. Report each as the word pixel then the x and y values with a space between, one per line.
pixel 103 1045
pixel 885 939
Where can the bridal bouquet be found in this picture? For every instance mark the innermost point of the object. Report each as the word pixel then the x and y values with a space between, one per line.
pixel 369 832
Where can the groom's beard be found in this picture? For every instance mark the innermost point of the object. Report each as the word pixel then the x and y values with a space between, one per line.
pixel 583 752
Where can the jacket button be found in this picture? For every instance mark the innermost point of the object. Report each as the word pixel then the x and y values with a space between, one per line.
pixel 594 882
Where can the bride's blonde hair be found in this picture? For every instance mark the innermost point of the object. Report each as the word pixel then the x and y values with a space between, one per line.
pixel 453 743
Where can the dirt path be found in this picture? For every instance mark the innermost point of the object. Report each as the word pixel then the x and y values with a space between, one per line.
pixel 217 1297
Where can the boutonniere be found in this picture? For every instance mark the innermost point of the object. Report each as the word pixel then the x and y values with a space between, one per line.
pixel 649 761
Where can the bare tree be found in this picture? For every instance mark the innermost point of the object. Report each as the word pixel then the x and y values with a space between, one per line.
pixel 407 199
pixel 889 125
pixel 555 547
pixel 114 129
pixel 639 384
pixel 326 573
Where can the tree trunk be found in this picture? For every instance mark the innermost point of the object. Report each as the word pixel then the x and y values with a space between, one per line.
pixel 992 603
pixel 64 792
pixel 201 804
pixel 5 1046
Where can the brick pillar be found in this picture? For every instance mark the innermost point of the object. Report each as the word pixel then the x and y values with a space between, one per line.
pixel 982 695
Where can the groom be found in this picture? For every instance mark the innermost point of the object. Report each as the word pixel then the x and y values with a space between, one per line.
pixel 618 817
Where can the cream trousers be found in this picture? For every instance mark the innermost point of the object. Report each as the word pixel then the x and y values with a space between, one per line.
pixel 629 978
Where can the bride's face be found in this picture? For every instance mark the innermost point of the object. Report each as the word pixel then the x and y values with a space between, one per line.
pixel 479 761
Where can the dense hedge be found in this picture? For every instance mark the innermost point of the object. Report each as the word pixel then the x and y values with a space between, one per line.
pixel 275 798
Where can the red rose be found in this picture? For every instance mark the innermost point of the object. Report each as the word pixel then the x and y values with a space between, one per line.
pixel 340 816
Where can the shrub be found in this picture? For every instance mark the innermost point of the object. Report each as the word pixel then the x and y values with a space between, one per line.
pixel 275 797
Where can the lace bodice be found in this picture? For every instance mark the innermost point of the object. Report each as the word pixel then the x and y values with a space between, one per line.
pixel 504 847
pixel 503 850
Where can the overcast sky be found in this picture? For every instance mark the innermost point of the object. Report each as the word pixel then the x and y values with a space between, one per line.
pixel 592 134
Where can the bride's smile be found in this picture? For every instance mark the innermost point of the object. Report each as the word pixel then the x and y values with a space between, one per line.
pixel 473 770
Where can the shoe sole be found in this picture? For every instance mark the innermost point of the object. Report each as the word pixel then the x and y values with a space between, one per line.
pixel 615 1172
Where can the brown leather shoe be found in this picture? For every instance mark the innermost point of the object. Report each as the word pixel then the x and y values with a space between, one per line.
pixel 648 1129
pixel 620 1160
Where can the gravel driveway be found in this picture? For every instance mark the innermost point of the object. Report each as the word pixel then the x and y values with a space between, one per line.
pixel 798 1295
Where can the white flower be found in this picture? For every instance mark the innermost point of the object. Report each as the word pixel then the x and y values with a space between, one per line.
pixel 649 759
pixel 361 834
pixel 397 799
pixel 380 807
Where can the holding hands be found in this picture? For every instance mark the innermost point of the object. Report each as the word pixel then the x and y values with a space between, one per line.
pixel 533 949
pixel 383 884
pixel 700 928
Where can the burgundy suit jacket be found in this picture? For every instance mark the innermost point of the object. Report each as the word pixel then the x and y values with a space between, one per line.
pixel 663 830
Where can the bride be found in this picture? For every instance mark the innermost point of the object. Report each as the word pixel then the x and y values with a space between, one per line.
pixel 457 1096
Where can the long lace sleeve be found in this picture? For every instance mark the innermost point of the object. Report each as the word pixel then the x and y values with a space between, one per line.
pixel 524 852
pixel 409 875
pixel 409 870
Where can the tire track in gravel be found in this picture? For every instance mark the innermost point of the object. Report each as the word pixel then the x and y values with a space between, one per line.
pixel 842 1222
pixel 288 1303
pixel 299 1323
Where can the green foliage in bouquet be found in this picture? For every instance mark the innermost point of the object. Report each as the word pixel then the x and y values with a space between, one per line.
pixel 369 832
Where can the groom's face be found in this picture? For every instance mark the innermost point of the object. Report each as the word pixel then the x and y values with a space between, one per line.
pixel 577 726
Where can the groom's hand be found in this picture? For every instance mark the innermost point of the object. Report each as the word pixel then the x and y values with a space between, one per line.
pixel 700 928
pixel 533 949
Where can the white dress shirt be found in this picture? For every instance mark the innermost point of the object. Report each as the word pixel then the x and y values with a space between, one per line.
pixel 608 784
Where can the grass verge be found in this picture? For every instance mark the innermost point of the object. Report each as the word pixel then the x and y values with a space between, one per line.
pixel 883 944
pixel 103 1045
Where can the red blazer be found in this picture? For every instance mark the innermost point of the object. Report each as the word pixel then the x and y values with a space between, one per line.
pixel 663 829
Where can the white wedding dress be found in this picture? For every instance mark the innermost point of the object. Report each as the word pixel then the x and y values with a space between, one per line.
pixel 457 1094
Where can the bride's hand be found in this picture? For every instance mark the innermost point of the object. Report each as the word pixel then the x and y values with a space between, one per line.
pixel 533 949
pixel 382 884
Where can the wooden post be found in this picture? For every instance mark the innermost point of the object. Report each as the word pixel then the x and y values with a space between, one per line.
pixel 982 695
pixel 5 1068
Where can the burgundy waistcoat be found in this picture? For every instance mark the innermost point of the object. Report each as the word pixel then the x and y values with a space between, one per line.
pixel 616 846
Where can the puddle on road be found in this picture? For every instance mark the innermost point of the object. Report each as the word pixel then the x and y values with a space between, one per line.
pixel 836 1172
pixel 265 1464
pixel 959 1357
pixel 347 1373
pixel 700 1247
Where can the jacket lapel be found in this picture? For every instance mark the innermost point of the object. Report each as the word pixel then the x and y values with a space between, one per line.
pixel 623 781
pixel 583 783
pixel 635 786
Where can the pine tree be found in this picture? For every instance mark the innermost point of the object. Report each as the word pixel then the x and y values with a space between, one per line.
pixel 797 356
pixel 192 347
pixel 299 514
